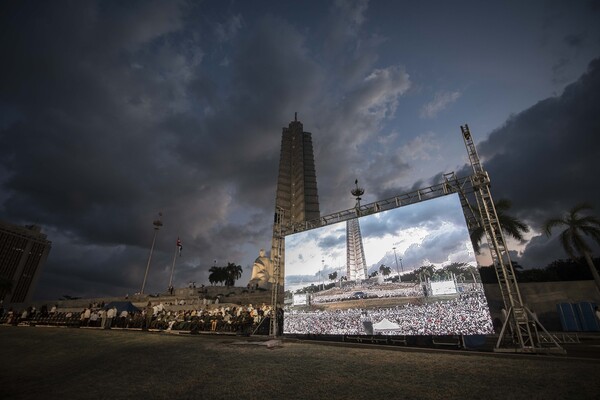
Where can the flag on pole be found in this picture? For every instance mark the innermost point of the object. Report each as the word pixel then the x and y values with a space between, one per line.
pixel 179 246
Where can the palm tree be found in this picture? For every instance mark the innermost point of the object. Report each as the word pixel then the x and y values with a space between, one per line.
pixel 572 238
pixel 216 275
pixel 509 224
pixel 385 271
pixel 233 273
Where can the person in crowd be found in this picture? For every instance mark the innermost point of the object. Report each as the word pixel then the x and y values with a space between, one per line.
pixel 123 319
pixel 102 313
pixel 115 314
pixel 149 310
pixel 24 315
pixel 94 318
pixel 10 315
pixel 110 314
pixel 85 317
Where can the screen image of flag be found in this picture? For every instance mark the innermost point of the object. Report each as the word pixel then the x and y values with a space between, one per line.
pixel 179 246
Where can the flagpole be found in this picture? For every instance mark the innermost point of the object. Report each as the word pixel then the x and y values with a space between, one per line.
pixel 173 266
pixel 157 224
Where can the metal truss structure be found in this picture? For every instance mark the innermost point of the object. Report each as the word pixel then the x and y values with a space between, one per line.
pixel 521 331
pixel 276 257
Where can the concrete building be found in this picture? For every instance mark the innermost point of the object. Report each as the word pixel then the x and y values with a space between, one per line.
pixel 297 194
pixel 23 252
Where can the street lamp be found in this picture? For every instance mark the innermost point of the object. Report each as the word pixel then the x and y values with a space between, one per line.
pixel 397 270
pixel 401 266
pixel 157 224
pixel 321 273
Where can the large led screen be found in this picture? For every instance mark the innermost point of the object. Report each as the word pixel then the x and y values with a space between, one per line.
pixel 406 271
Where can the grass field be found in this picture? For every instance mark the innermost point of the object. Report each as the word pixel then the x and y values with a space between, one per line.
pixel 63 363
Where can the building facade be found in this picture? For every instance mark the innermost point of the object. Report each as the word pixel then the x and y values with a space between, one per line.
pixel 23 252
pixel 297 198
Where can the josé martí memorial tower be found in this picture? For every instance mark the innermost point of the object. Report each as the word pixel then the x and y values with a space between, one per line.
pixel 356 264
pixel 297 198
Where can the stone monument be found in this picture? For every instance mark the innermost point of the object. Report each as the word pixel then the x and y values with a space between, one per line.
pixel 262 272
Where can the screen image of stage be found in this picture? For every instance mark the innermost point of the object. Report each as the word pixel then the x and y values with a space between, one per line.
pixel 421 278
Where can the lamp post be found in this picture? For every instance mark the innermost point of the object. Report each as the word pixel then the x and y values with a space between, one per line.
pixel 401 266
pixel 321 273
pixel 397 269
pixel 177 247
pixel 157 224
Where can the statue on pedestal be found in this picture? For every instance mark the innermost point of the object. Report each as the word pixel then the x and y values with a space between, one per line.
pixel 262 272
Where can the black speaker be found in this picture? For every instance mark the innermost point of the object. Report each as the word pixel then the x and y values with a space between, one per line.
pixel 368 327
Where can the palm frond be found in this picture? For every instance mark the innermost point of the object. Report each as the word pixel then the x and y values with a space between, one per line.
pixel 579 243
pixel 565 240
pixel 580 207
pixel 551 223
pixel 502 205
pixel 590 220
pixel 592 232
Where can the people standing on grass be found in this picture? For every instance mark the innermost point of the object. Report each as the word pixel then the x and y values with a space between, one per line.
pixel 85 317
pixel 123 319
pixel 102 318
pixel 94 318
pixel 148 318
pixel 158 317
pixel 111 313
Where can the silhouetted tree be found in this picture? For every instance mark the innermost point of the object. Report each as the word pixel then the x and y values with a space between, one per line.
pixel 217 275
pixel 509 224
pixel 573 237
pixel 233 272
pixel 385 271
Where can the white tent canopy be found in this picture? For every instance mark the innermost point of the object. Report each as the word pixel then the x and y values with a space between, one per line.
pixel 385 325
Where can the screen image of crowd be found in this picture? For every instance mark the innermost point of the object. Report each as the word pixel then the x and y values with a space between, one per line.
pixel 465 314
pixel 349 292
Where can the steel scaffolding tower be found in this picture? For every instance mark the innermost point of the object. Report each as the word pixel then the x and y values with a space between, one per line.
pixel 520 329
pixel 276 257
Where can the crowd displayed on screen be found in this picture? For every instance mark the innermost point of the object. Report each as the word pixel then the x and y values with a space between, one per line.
pixel 467 314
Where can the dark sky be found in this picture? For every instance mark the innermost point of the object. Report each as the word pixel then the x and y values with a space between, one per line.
pixel 113 111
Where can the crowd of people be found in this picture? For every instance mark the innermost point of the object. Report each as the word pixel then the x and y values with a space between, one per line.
pixel 369 291
pixel 467 314
pixel 236 319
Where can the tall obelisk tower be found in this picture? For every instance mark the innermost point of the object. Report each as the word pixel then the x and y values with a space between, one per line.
pixel 297 199
pixel 356 264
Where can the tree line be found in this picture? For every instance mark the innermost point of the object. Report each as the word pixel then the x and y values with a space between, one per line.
pixel 556 271
pixel 578 228
pixel 225 275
